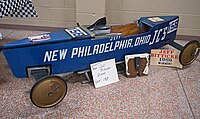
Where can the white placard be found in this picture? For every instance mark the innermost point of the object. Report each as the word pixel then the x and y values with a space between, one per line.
pixel 104 73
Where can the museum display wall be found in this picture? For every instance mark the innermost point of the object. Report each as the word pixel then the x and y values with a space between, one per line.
pixel 65 13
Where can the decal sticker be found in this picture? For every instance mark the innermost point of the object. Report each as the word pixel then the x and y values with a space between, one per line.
pixel 173 26
pixel 76 32
pixel 39 38
pixel 156 19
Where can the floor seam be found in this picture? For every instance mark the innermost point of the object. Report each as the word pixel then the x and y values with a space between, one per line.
pixel 185 94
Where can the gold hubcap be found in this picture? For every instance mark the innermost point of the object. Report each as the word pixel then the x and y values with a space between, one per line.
pixel 48 91
pixel 189 53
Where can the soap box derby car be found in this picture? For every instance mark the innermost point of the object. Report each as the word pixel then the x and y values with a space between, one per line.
pixel 74 49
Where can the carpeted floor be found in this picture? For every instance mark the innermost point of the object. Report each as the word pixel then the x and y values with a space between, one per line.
pixel 164 93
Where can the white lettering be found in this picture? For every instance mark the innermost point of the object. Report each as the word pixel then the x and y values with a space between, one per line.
pixel 53 58
pixel 107 47
pixel 129 43
pixel 152 42
pixel 47 56
pixel 111 44
pixel 142 40
pixel 173 25
pixel 96 49
pixel 116 45
pixel 101 49
pixel 81 51
pixel 63 54
pixel 164 33
pixel 122 43
pixel 89 53
pixel 158 36
pixel 74 52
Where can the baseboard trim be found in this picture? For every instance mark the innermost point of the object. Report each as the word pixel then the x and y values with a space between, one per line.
pixel 44 28
pixel 187 37
pixel 27 27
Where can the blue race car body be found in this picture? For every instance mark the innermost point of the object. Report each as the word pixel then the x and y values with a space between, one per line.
pixel 74 49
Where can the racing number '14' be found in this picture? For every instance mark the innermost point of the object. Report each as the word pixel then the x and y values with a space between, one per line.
pixel 159 34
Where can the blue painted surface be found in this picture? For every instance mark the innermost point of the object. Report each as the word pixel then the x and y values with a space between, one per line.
pixel 57 36
pixel 153 24
pixel 80 53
